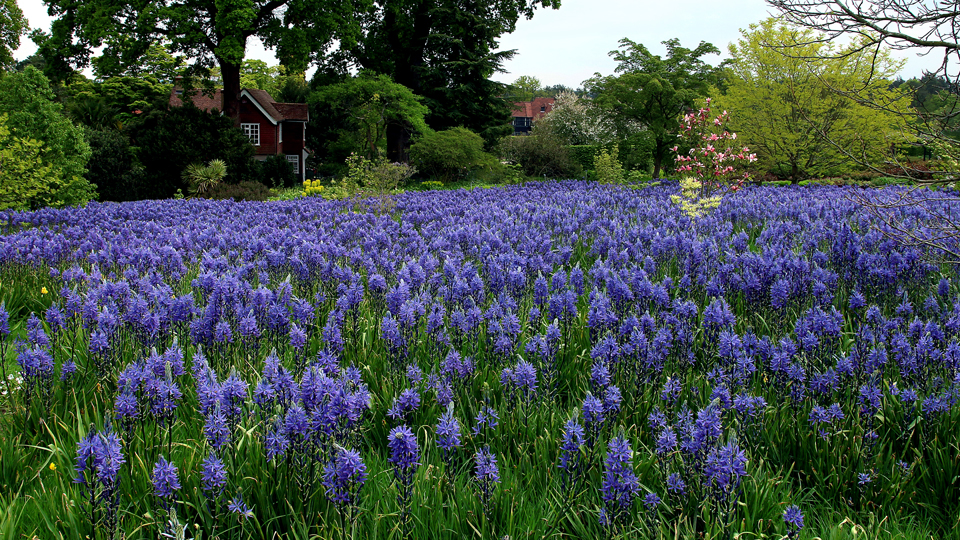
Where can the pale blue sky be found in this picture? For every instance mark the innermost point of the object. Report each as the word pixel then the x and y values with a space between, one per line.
pixel 568 45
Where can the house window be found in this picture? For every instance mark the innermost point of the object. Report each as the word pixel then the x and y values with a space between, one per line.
pixel 543 108
pixel 280 132
pixel 252 131
pixel 521 121
pixel 295 161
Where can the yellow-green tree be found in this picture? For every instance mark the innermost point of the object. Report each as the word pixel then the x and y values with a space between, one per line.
pixel 24 176
pixel 787 93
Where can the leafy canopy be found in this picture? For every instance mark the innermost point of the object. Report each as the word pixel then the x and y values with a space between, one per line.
pixel 24 176
pixel 651 92
pixel 786 98
pixel 210 32
pixel 12 26
pixel 367 105
pixel 32 113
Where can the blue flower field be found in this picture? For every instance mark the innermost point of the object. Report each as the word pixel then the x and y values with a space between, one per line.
pixel 552 360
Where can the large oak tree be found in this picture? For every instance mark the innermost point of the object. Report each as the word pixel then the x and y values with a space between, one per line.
pixel 210 32
pixel 445 51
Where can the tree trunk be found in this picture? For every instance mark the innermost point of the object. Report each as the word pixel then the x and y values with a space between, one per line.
pixel 231 90
pixel 398 140
pixel 408 62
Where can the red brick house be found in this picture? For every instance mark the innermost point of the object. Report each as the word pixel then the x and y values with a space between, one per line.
pixel 274 129
pixel 525 112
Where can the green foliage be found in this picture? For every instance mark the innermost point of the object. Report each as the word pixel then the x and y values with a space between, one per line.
pixel 449 155
pixel 33 113
pixel 525 88
pixel 12 25
pixel 244 191
pixel 445 51
pixel 542 153
pixel 276 172
pixel 783 101
pixel 113 167
pixel 294 193
pixel 209 31
pixel 366 107
pixel 167 141
pixel 202 178
pixel 23 174
pixel 651 92
pixel 607 166
pixel 584 154
pixel 156 63
pixel 431 184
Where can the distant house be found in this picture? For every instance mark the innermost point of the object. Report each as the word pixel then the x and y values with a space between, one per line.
pixel 525 112
pixel 274 129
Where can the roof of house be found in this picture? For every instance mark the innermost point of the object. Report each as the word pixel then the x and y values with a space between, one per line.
pixel 277 111
pixel 531 109
pixel 203 100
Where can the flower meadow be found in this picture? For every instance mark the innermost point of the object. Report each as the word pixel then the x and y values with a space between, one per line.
pixel 559 359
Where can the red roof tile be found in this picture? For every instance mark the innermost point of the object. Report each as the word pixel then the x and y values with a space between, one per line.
pixel 293 111
pixel 203 100
pixel 278 111
pixel 531 109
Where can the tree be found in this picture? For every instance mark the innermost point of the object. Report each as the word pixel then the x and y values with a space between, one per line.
pixel 32 113
pixel 208 32
pixel 525 88
pixel 783 108
pixel 445 51
pixel 369 105
pixel 24 176
pixel 12 26
pixel 653 92
pixel 927 27
pixel 156 62
pixel 113 166
pixel 578 121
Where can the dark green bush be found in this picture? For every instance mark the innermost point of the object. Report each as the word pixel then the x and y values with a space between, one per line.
pixel 583 155
pixel 540 154
pixel 169 140
pixel 449 155
pixel 277 172
pixel 113 166
pixel 244 191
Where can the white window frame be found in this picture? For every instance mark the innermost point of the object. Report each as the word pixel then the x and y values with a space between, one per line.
pixel 294 160
pixel 252 131
pixel 280 132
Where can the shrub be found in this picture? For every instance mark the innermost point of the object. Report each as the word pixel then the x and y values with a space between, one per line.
pixel 277 172
pixel 450 154
pixel 168 141
pixel 608 167
pixel 542 153
pixel 32 113
pixel 583 155
pixel 202 178
pixel 244 191
pixel 113 166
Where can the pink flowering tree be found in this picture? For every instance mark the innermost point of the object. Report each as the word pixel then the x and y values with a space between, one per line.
pixel 714 163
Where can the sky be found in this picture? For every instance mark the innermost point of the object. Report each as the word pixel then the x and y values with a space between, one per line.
pixel 568 45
